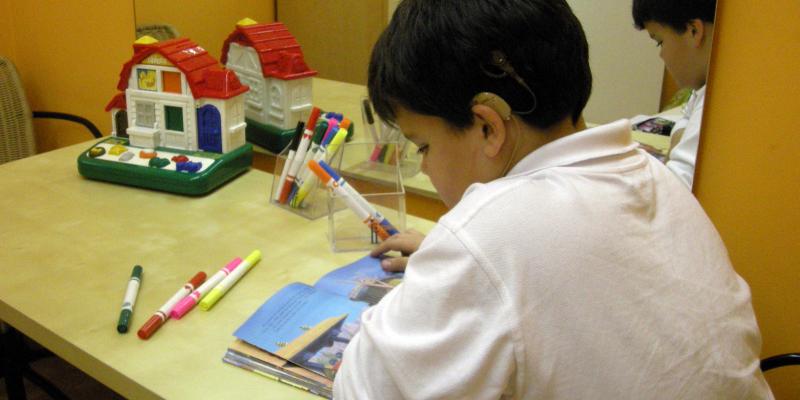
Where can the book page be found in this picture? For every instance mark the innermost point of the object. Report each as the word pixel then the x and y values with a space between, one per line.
pixel 306 326
pixel 311 326
pixel 363 280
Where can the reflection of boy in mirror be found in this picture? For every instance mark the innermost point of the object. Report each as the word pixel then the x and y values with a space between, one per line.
pixel 683 29
pixel 571 265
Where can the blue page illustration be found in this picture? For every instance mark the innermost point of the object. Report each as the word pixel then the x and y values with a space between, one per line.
pixel 311 326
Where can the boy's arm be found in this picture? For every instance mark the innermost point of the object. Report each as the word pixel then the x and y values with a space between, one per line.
pixel 445 332
pixel 683 155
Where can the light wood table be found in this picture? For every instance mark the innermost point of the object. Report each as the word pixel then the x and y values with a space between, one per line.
pixel 67 247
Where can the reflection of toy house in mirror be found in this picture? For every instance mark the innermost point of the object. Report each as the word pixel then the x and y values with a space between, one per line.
pixel 178 96
pixel 268 59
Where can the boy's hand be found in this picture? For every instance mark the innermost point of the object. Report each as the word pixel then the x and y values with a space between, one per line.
pixel 405 242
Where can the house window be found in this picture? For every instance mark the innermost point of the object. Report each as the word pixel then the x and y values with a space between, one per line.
pixel 171 81
pixel 174 117
pixel 146 78
pixel 145 114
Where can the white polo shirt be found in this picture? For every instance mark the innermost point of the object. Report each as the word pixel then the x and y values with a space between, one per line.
pixel 588 272
pixel 686 135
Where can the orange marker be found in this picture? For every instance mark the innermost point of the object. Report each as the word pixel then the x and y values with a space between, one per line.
pixel 162 314
pixel 297 162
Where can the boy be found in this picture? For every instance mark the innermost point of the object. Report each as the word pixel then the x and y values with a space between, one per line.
pixel 571 265
pixel 683 29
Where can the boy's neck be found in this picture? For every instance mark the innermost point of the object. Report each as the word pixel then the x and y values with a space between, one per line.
pixel 533 138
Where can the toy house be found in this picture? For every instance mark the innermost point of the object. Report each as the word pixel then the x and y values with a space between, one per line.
pixel 268 59
pixel 177 123
pixel 175 95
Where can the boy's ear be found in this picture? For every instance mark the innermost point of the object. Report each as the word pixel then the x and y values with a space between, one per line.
pixel 493 129
pixel 697 31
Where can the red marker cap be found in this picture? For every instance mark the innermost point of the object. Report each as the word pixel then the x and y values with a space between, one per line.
pixel 197 279
pixel 150 326
pixel 312 119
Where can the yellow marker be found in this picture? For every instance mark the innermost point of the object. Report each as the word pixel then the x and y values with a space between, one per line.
pixel 215 294
pixel 309 183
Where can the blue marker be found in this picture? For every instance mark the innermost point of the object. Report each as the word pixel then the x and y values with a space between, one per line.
pixel 378 217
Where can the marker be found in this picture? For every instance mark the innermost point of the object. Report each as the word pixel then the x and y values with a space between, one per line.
pixel 373 213
pixel 215 294
pixel 351 202
pixel 129 300
pixel 370 119
pixel 289 157
pixel 324 154
pixel 318 143
pixel 188 302
pixel 160 316
pixel 300 155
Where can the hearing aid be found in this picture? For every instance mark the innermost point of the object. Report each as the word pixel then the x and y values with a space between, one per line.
pixel 494 102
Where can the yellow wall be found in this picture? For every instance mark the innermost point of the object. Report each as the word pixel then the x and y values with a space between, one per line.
pixel 69 54
pixel 748 177
pixel 7 42
pixel 336 36
pixel 69 60
pixel 206 22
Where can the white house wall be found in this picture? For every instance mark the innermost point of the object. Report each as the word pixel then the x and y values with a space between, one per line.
pixel 235 123
pixel 290 101
pixel 157 134
pixel 300 102
pixel 244 61
pixel 231 120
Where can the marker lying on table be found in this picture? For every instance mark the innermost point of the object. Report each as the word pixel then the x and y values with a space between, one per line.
pixel 297 161
pixel 162 314
pixel 371 217
pixel 191 300
pixel 215 294
pixel 129 300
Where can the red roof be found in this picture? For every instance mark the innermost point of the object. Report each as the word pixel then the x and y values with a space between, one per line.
pixel 204 74
pixel 117 102
pixel 277 49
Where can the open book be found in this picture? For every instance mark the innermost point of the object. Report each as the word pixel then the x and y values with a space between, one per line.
pixel 299 334
pixel 653 131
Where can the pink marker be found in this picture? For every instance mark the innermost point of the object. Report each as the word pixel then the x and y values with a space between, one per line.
pixel 188 302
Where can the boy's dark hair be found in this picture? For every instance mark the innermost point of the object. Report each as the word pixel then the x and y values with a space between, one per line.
pixel 673 13
pixel 435 56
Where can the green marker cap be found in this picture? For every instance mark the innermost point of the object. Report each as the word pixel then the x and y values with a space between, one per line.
pixel 124 321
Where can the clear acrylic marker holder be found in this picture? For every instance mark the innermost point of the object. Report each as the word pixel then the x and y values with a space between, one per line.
pixel 406 156
pixel 315 204
pixel 380 184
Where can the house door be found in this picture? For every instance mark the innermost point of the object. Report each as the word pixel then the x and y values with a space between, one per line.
pixel 121 120
pixel 209 129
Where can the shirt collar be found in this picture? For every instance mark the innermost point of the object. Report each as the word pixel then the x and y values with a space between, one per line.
pixel 601 141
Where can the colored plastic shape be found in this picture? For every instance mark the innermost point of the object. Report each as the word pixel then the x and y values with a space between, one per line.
pixel 147 154
pixel 188 166
pixel 117 150
pixel 96 152
pixel 158 162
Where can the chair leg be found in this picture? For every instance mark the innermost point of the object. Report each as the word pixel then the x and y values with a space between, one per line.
pixel 16 368
pixel 9 351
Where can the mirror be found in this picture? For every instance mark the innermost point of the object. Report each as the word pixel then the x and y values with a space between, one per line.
pixel 629 77
pixel 631 81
